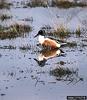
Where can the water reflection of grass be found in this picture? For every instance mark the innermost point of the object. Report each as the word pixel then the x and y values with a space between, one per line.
pixel 66 74
pixel 25 47
pixel 4 17
pixel 14 31
pixel 30 19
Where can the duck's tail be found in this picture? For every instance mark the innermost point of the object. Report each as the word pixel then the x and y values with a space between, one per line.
pixel 63 44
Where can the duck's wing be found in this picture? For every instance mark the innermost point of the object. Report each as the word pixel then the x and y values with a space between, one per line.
pixel 50 43
pixel 56 39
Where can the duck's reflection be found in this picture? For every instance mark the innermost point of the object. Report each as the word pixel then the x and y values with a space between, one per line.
pixel 47 54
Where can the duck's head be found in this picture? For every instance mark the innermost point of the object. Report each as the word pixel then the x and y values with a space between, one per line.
pixel 41 32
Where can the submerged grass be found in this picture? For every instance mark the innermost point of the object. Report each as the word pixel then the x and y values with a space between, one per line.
pixel 14 31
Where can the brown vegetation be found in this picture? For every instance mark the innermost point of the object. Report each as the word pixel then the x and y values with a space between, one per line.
pixel 14 31
pixel 67 4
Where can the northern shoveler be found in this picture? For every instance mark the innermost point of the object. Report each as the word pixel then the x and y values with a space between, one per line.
pixel 47 42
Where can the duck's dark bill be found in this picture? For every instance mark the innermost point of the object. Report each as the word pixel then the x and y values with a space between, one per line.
pixel 36 35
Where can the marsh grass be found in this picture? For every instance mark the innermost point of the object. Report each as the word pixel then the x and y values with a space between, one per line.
pixel 5 5
pixel 5 17
pixel 57 3
pixel 61 71
pixel 66 74
pixel 14 31
pixel 63 32
pixel 78 31
pixel 19 28
pixel 37 3
pixel 60 32
pixel 67 4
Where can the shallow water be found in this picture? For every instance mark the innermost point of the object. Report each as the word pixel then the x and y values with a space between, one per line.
pixel 22 77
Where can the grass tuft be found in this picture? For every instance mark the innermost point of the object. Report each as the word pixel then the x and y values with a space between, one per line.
pixel 78 31
pixel 14 31
pixel 58 3
pixel 66 74
pixel 60 71
pixel 37 3
pixel 4 5
pixel 67 4
pixel 63 32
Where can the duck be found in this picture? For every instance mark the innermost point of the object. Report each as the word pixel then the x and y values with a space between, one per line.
pixel 47 42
